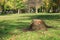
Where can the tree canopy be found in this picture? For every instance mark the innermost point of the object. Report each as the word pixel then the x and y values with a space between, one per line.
pixel 47 5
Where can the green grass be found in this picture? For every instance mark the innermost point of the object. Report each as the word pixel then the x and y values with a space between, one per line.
pixel 11 27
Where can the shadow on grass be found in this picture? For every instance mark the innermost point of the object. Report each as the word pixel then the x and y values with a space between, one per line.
pixel 43 17
pixel 6 28
pixel 48 17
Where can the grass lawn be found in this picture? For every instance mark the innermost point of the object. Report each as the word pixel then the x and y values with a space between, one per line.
pixel 11 27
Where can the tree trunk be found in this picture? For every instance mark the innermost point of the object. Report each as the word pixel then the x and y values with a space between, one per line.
pixel 18 11
pixel 29 10
pixel 3 9
pixel 54 9
pixel 36 10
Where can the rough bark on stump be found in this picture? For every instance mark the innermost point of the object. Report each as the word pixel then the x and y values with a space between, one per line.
pixel 38 25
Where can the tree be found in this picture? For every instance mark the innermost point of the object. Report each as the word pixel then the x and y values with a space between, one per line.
pixel 9 4
pixel 2 3
pixel 19 4
pixel 34 5
pixel 12 4
pixel 6 5
pixel 47 4
pixel 56 5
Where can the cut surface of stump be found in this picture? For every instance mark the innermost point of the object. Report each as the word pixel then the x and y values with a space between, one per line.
pixel 38 24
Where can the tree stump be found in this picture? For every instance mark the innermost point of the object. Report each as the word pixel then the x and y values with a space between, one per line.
pixel 38 24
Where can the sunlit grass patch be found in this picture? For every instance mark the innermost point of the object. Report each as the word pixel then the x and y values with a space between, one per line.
pixel 11 27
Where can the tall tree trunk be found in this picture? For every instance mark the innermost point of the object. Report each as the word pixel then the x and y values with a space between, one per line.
pixel 3 9
pixel 36 10
pixel 29 9
pixel 54 9
pixel 18 11
pixel 36 6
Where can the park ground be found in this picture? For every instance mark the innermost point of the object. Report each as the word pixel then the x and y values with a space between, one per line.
pixel 11 26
